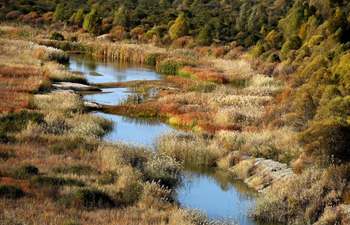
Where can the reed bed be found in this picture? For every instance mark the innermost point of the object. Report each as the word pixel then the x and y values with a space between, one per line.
pixel 55 157
pixel 190 149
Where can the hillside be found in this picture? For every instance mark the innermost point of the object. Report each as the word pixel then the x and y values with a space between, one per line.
pixel 276 72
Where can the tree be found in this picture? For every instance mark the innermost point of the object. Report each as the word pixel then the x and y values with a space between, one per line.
pixel 91 22
pixel 179 28
pixel 120 17
pixel 78 17
pixel 205 37
pixel 59 13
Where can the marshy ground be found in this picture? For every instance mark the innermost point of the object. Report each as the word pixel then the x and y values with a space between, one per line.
pixel 53 158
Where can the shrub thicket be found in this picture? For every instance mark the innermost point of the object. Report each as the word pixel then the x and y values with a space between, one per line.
pixel 11 192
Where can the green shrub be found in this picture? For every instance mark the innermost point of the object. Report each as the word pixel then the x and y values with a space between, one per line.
pixel 120 17
pixel 12 192
pixel 341 74
pixel 75 169
pixel 25 172
pixel 108 178
pixel 205 87
pixel 328 140
pixel 291 23
pixel 257 50
pixel 57 36
pixel 88 199
pixel 151 59
pixel 15 122
pixel 71 222
pixel 291 44
pixel 5 155
pixel 42 181
pixel 71 144
pixel 170 66
pixel 205 36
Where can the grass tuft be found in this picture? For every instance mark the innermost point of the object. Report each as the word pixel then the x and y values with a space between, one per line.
pixel 10 192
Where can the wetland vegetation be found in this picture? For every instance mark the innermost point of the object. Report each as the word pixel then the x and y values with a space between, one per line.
pixel 142 112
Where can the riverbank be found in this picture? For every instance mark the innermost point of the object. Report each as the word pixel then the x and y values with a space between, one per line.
pixel 226 102
pixel 236 147
pixel 53 159
pixel 224 98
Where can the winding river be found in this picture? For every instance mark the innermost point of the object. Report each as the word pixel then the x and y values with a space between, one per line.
pixel 215 193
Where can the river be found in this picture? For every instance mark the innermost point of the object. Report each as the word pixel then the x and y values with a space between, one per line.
pixel 213 192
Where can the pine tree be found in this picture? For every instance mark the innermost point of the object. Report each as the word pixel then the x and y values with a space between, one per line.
pixel 78 17
pixel 179 28
pixel 205 37
pixel 59 13
pixel 91 21
pixel 120 17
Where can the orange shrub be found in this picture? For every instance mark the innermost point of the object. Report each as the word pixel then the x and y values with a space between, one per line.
pixel 219 51
pixel 137 33
pixel 118 33
pixel 16 84
pixel 182 42
pixel 30 17
pixel 204 74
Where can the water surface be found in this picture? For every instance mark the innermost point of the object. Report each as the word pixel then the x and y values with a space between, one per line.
pixel 133 131
pixel 214 192
pixel 218 194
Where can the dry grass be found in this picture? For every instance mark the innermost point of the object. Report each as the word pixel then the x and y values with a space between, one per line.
pixel 234 69
pixel 139 181
pixel 304 198
pixel 57 72
pixel 58 102
pixel 16 85
pixel 190 149
pixel 21 72
pixel 280 145
pixel 203 74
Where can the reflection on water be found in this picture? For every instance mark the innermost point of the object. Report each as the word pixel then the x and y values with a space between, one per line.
pixel 211 191
pixel 218 194
pixel 112 72
pixel 110 96
pixel 135 131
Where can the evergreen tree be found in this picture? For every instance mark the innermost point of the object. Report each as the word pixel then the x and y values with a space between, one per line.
pixel 205 36
pixel 120 17
pixel 91 21
pixel 59 13
pixel 78 17
pixel 179 28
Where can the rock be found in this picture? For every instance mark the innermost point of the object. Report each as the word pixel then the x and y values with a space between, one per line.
pixel 264 172
pixel 63 91
pixel 92 105
pixel 104 37
pixel 74 86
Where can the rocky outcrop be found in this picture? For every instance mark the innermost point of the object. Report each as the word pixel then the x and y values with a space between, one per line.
pixel 260 174
pixel 92 105
pixel 104 37
pixel 74 86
